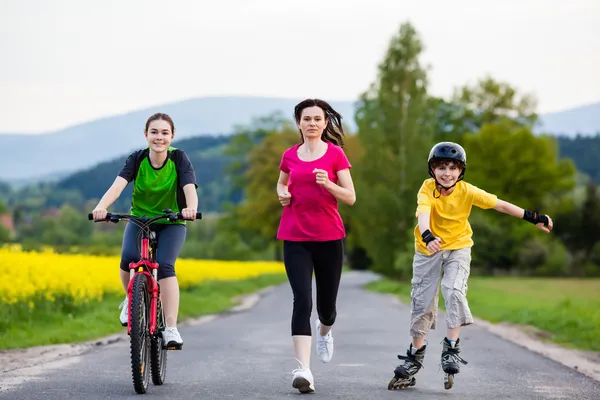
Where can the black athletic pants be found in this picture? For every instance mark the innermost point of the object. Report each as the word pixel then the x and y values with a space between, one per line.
pixel 326 259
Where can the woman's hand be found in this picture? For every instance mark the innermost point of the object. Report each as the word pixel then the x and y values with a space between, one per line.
pixel 322 177
pixel 285 198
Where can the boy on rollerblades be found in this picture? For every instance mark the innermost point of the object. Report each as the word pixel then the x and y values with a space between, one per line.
pixel 443 241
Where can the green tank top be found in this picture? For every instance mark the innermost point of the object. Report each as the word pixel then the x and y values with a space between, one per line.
pixel 155 189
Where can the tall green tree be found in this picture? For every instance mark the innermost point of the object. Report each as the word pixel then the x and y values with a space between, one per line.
pixel 395 145
pixel 258 149
pixel 516 164
pixel 489 101
pixel 522 168
pixel 473 106
pixel 247 138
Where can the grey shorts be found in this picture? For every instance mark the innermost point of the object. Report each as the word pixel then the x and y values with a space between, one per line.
pixel 427 273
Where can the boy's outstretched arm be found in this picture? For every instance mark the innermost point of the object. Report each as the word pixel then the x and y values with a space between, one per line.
pixel 539 220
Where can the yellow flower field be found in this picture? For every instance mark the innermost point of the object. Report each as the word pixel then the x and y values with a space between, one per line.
pixel 25 275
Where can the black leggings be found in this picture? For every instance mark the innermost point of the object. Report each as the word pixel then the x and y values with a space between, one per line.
pixel 327 260
pixel 170 241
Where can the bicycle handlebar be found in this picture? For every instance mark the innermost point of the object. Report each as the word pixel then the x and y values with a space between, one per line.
pixel 171 216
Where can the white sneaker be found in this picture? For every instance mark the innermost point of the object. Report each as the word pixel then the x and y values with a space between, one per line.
pixel 303 379
pixel 124 317
pixel 324 344
pixel 172 338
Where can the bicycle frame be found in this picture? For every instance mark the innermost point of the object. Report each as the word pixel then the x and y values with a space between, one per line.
pixel 138 268
pixel 146 265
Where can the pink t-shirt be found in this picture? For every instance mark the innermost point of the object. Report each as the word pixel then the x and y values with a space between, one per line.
pixel 312 214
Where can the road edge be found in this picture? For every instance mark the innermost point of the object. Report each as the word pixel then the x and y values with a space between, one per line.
pixel 19 359
pixel 527 337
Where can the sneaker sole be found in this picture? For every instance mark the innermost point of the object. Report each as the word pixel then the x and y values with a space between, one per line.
pixel 174 346
pixel 303 385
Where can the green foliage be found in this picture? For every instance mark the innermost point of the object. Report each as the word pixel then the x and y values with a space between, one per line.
pixel 395 146
pixel 584 151
pixel 245 139
pixel 490 101
pixel 518 166
pixel 205 153
pixel 506 159
pixel 214 238
pixel 3 208
pixel 397 125
pixel 257 152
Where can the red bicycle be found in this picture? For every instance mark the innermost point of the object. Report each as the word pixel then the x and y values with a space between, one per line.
pixel 146 320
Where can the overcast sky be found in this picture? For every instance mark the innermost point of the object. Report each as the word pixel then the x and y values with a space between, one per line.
pixel 69 61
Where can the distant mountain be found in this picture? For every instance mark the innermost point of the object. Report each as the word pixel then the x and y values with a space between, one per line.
pixel 583 120
pixel 205 153
pixel 53 155
pixel 84 145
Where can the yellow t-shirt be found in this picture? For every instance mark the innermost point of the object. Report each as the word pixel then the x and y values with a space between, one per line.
pixel 449 214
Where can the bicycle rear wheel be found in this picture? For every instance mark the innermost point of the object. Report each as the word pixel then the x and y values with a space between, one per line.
pixel 158 352
pixel 140 335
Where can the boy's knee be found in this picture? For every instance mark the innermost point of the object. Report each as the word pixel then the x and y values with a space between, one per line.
pixel 422 323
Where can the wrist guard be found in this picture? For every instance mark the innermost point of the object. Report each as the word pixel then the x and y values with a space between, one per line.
pixel 427 236
pixel 535 218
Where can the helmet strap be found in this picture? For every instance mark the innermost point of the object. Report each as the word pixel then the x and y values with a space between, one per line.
pixel 439 185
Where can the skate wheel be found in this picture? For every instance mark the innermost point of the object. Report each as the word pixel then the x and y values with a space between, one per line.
pixel 397 384
pixel 391 384
pixel 448 382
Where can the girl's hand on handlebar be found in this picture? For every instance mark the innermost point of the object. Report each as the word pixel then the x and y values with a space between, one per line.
pixel 99 214
pixel 189 213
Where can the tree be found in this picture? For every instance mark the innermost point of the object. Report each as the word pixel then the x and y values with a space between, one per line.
pixel 246 139
pixel 514 163
pixel 3 208
pixel 395 147
pixel 4 232
pixel 590 218
pixel 517 166
pixel 490 101
pixel 258 150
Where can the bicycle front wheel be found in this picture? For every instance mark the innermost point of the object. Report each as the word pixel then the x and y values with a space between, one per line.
pixel 140 334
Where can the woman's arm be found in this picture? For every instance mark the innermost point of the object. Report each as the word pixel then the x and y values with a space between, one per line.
pixel 282 189
pixel 344 191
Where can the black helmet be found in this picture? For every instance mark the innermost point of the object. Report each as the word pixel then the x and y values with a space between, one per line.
pixel 449 151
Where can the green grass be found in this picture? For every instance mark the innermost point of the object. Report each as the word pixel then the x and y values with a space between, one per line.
pixel 61 322
pixel 567 309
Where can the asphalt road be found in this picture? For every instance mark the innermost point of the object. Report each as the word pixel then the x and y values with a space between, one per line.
pixel 248 355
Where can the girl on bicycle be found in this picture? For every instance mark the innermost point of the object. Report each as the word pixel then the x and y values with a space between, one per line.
pixel 314 176
pixel 163 178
